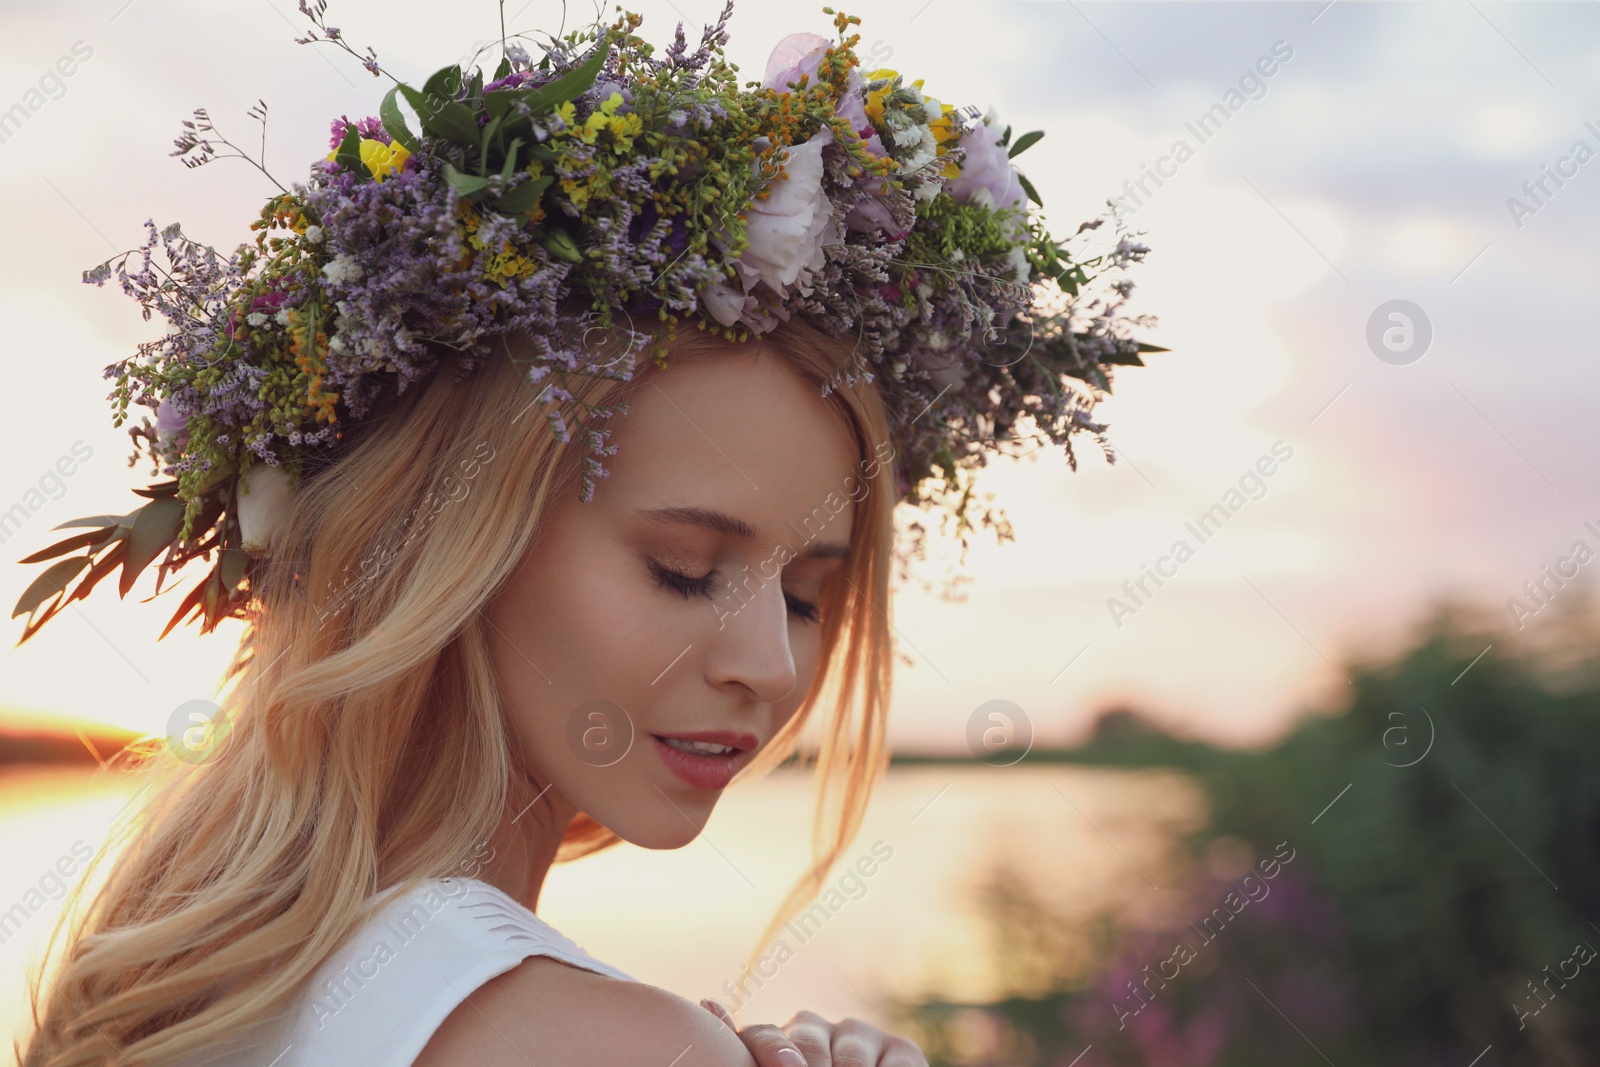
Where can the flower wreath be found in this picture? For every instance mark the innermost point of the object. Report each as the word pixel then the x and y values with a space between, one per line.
pixel 655 186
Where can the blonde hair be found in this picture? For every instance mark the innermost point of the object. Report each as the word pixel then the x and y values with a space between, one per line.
pixel 367 746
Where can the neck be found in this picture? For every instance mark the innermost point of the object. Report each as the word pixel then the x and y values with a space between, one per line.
pixel 524 844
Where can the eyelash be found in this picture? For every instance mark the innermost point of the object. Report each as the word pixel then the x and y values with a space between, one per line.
pixel 689 587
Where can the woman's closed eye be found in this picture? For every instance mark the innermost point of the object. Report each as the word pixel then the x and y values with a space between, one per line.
pixel 690 586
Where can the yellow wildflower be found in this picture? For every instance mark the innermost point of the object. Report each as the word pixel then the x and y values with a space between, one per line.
pixel 577 192
pixel 380 158
pixel 945 134
pixel 875 97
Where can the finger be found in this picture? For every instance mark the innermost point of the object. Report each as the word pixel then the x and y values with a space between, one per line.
pixel 813 1036
pixel 855 1044
pixel 901 1052
pixel 720 1012
pixel 771 1047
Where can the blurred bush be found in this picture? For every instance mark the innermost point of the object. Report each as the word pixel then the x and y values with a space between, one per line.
pixel 1441 895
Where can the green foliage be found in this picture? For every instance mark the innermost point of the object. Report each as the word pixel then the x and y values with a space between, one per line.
pixel 1459 869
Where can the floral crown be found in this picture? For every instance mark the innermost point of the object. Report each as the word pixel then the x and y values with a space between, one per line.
pixel 653 187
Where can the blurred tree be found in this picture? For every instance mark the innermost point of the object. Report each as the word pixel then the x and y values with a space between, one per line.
pixel 1443 897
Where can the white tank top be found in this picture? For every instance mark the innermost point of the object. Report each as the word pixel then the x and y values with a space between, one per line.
pixel 378 999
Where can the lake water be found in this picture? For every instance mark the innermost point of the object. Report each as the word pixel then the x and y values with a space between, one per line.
pixel 1084 838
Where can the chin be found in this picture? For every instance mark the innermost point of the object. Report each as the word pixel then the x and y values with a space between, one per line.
pixel 665 828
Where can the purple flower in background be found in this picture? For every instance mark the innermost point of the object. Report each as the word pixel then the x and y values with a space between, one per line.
pixel 172 426
pixel 987 177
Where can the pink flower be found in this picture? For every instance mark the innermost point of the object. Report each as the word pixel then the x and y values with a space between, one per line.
pixel 801 54
pixel 797 54
pixel 987 177
pixel 787 233
pixel 172 427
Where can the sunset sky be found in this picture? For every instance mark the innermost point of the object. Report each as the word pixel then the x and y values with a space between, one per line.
pixel 1378 162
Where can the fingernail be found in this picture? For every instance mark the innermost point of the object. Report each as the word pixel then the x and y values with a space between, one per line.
pixel 791 1057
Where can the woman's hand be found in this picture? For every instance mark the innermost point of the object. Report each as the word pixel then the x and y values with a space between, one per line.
pixel 809 1040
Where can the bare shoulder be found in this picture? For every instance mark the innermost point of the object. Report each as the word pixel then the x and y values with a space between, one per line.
pixel 547 1012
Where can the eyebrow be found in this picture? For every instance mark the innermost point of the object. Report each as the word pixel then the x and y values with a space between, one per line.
pixel 732 526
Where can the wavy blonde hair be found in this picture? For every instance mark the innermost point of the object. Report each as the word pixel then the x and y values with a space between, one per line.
pixel 368 747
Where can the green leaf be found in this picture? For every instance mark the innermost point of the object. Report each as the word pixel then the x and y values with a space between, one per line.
pixel 97 520
pixel 348 154
pixel 497 102
pixel 503 69
pixel 231 566
pixel 51 583
pixel 153 531
pixel 160 489
pixel 442 87
pixel 521 200
pixel 107 563
pixel 82 540
pixel 453 122
pixel 572 84
pixel 560 243
pixel 485 139
pixel 1145 346
pixel 395 123
pixel 1005 138
pixel 1028 188
pixel 190 602
pixel 510 165
pixel 1023 143
pixel 465 184
pixel 1125 359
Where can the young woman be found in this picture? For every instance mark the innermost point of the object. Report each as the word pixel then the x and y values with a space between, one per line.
pixel 517 682
pixel 483 637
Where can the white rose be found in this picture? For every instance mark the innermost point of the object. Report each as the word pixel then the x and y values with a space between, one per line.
pixel 264 500
pixel 786 232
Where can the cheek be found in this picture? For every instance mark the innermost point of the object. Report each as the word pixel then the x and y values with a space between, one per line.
pixel 584 626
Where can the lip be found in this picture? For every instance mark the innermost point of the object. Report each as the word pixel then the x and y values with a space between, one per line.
pixel 744 742
pixel 706 772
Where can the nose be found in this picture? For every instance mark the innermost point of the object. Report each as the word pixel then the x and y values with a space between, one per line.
pixel 750 645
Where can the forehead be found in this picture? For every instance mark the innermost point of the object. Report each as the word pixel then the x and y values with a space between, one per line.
pixel 740 431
